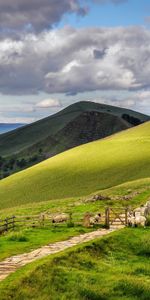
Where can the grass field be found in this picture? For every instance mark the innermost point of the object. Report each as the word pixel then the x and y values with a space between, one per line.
pixel 26 239
pixel 82 170
pixel 77 204
pixel 112 268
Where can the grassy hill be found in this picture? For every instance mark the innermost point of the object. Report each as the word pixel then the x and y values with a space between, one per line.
pixel 77 124
pixel 48 128
pixel 98 165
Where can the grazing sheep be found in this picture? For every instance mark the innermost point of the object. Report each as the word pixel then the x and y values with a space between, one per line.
pixel 60 218
pixel 131 220
pixel 96 219
pixel 140 221
pixel 136 220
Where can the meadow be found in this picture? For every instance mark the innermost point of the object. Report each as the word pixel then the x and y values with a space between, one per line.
pixel 26 239
pixel 112 268
pixel 80 171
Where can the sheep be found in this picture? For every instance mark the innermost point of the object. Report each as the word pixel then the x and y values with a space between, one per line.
pixel 136 220
pixel 140 221
pixel 96 219
pixel 90 220
pixel 131 220
pixel 60 218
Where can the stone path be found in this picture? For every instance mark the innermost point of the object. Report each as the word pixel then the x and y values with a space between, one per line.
pixel 13 263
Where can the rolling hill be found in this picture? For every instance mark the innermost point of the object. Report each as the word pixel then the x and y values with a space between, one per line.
pixel 82 170
pixel 77 124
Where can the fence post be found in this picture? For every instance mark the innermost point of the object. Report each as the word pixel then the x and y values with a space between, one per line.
pixel 107 217
pixel 6 224
pixel 43 220
pixel 70 217
pixel 13 222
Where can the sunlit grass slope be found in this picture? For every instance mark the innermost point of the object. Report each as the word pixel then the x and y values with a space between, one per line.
pixel 82 170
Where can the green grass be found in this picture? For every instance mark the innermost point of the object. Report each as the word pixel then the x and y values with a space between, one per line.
pixel 112 268
pixel 28 239
pixel 78 204
pixel 24 240
pixel 82 170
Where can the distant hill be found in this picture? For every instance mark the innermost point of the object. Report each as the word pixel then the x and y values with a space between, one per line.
pixel 6 127
pixel 77 124
pixel 82 170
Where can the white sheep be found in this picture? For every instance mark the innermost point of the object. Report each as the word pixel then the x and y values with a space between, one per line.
pixel 136 220
pixel 131 220
pixel 60 218
pixel 140 221
pixel 96 219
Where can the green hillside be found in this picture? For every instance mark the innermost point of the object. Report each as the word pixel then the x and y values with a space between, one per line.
pixel 82 170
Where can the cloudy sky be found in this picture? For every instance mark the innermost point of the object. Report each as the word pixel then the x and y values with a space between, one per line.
pixel 57 52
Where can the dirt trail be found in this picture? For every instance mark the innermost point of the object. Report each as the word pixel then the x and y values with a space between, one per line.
pixel 11 264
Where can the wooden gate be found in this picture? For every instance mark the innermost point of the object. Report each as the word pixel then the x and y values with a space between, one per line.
pixel 117 216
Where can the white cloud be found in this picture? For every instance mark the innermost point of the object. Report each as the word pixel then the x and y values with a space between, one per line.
pixel 72 61
pixel 48 103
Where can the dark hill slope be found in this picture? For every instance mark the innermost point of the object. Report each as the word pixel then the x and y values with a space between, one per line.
pixel 86 127
pixel 82 116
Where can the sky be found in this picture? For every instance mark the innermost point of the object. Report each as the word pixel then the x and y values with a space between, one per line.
pixel 57 52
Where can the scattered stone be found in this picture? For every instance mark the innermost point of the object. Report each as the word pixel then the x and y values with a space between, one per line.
pixel 97 197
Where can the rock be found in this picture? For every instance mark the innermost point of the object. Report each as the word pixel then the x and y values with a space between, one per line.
pixel 101 197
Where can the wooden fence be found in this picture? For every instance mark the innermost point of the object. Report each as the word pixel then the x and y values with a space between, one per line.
pixel 109 216
pixel 7 224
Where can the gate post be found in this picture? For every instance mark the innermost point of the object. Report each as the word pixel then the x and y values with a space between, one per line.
pixel 126 216
pixel 107 218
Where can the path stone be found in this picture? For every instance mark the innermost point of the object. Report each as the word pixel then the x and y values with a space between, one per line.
pixel 11 264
